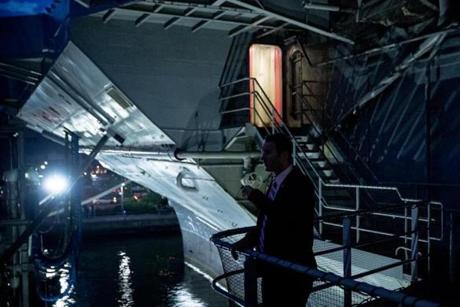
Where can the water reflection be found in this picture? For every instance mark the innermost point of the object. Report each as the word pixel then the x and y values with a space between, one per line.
pixel 141 272
pixel 66 301
pixel 124 281
pixel 180 296
pixel 66 287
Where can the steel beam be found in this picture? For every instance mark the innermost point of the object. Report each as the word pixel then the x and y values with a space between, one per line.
pixel 283 25
pixel 175 20
pixel 199 18
pixel 143 18
pixel 327 8
pixel 203 23
pixel 21 70
pixel 235 32
pixel 430 44
pixel 108 15
pixel 217 155
pixel 291 21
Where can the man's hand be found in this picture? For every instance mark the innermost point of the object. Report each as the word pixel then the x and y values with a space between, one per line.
pixel 246 191
pixel 254 195
pixel 236 247
pixel 234 252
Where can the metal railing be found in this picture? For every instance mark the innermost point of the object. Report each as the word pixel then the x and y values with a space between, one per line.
pixel 325 119
pixel 242 284
pixel 357 206
pixel 406 216
pixel 325 122
pixel 277 125
pixel 276 121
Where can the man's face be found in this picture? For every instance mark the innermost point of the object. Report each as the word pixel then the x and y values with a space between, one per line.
pixel 271 157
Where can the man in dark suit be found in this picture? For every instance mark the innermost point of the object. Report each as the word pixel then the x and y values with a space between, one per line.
pixel 284 225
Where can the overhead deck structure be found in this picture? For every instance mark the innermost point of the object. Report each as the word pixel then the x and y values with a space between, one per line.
pixel 368 92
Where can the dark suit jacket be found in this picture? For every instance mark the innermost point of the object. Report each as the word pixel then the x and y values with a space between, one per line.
pixel 289 225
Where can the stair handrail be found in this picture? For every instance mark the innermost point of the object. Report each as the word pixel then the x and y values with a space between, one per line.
pixel 321 183
pixel 288 132
pixel 284 129
pixel 276 119
pixel 337 131
pixel 320 133
pixel 300 162
pixel 305 55
pixel 357 208
pixel 277 124
pixel 272 112
pixel 325 205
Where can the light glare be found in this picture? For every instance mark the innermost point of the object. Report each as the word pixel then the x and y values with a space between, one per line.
pixel 55 184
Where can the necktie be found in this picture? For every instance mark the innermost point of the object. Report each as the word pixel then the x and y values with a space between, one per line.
pixel 271 195
pixel 273 190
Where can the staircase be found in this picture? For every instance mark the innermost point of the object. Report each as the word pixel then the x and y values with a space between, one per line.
pixel 311 150
pixel 339 187
pixel 316 158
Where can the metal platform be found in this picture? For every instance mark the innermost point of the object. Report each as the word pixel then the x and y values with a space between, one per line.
pixel 362 261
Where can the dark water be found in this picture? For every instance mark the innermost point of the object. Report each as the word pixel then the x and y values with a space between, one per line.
pixel 139 271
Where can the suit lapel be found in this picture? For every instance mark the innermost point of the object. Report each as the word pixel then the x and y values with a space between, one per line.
pixel 285 183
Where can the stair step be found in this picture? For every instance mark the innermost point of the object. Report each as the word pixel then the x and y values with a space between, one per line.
pixel 333 180
pixel 311 155
pixel 308 146
pixel 302 138
pixel 335 192
pixel 322 167
pixel 314 150
pixel 329 179
pixel 320 163
pixel 328 172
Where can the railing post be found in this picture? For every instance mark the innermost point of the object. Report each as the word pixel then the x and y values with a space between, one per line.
pixel 273 117
pixel 346 239
pixel 294 154
pixel 320 204
pixel 75 193
pixel 250 282
pixel 405 230
pixel 252 97
pixel 428 238
pixel 358 217
pixel 414 243
pixel 451 247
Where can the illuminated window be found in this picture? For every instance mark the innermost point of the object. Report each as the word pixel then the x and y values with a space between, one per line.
pixel 265 66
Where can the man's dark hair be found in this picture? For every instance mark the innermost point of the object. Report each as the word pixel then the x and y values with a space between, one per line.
pixel 282 142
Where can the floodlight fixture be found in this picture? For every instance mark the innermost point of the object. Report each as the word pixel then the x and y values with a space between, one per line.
pixel 55 184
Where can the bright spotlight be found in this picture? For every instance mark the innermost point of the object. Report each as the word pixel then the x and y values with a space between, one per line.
pixel 55 184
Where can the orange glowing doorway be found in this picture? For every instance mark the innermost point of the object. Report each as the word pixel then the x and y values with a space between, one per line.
pixel 265 66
